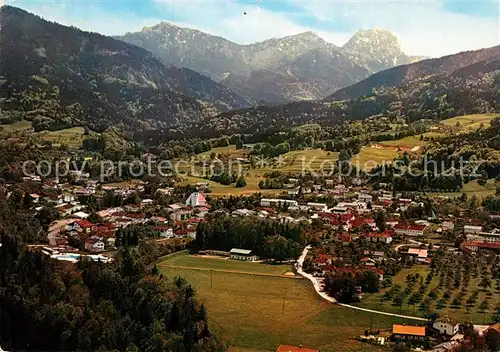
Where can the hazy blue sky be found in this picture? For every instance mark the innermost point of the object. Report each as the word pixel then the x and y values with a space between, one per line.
pixel 431 28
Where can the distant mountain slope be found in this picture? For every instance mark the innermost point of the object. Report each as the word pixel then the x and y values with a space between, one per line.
pixel 470 89
pixel 59 76
pixel 404 74
pixel 297 67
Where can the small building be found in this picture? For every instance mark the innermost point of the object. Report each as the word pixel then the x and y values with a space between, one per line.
pixel 384 237
pixel 408 332
pixel 445 346
pixel 94 245
pixel 418 255
pixel 318 206
pixel 277 202
pixel 165 231
pixel 471 229
pixel 288 348
pixel 243 254
pixel 196 199
pixel 446 326
pixel 409 230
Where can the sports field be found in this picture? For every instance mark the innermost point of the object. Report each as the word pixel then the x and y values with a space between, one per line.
pixel 204 262
pixel 256 313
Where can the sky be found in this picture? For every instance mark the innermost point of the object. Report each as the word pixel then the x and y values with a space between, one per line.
pixel 430 28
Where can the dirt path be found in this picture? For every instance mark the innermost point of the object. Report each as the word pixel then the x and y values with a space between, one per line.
pixel 324 295
pixel 229 271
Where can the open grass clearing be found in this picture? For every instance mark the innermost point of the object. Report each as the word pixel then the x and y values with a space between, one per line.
pixel 370 156
pixel 220 263
pixel 471 122
pixel 22 125
pixel 470 188
pixel 72 137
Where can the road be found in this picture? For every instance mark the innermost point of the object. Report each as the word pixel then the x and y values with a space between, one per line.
pixel 324 295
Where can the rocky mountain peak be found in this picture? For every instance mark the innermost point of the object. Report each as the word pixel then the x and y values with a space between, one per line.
pixel 375 49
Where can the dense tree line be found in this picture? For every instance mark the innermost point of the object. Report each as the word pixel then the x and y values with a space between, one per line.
pixel 266 238
pixel 343 285
pixel 92 306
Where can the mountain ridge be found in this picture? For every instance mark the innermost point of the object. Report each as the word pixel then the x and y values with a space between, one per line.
pixel 49 72
pixel 242 67
pixel 406 73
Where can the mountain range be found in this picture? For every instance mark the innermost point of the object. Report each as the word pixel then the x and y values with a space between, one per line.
pixel 278 70
pixel 58 77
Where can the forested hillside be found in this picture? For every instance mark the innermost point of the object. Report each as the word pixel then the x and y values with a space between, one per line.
pixel 94 306
pixel 59 76
pixel 405 74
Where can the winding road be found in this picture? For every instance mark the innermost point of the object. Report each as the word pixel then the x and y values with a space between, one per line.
pixel 317 286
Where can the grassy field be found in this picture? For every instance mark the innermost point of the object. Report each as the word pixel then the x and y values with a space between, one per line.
pixel 370 156
pixel 16 126
pixel 471 188
pixel 257 313
pixel 231 149
pixel 291 162
pixel 72 137
pixel 473 315
pixel 471 122
pixel 219 190
pixel 217 263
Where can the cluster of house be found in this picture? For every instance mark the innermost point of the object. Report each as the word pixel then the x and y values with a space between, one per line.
pixel 445 329
pixel 181 223
pixel 477 239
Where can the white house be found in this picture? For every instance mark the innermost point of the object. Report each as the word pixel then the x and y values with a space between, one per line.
pixel 447 326
pixel 68 197
pixel 364 197
pixel 277 202
pixel 318 206
pixel 165 231
pixel 489 237
pixel 470 229
pixel 196 199
pixel 94 245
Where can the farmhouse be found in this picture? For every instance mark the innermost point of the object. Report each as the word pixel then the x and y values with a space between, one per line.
pixel 409 230
pixel 242 254
pixel 408 332
pixel 447 326
pixel 384 237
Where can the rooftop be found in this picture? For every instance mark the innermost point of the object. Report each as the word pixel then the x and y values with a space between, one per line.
pixel 240 251
pixel 288 348
pixel 408 330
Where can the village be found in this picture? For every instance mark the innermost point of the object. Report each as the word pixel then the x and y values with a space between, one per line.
pixel 361 230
